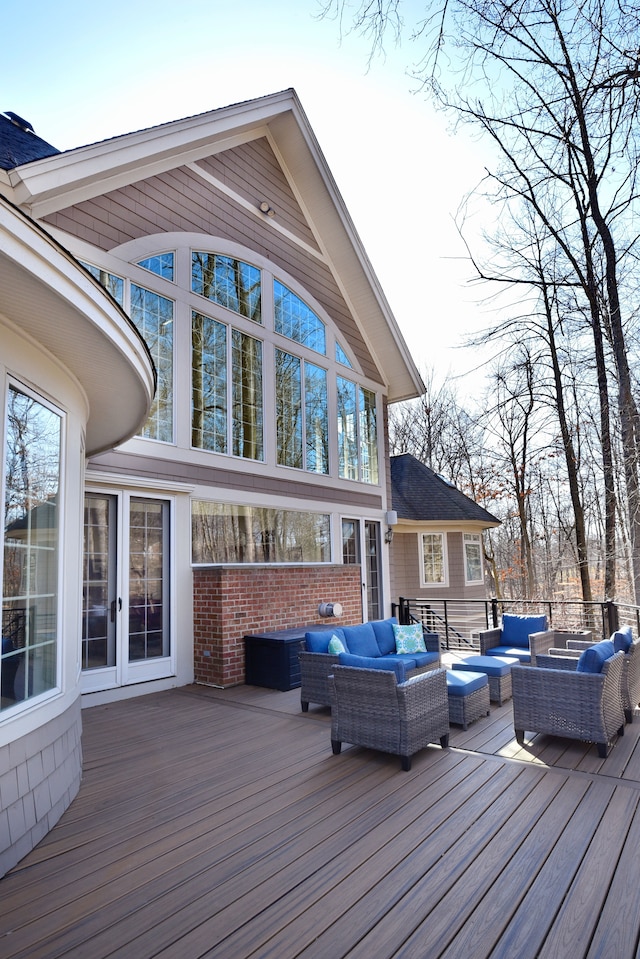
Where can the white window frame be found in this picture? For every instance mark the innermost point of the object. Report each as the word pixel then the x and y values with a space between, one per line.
pixel 427 584
pixel 469 539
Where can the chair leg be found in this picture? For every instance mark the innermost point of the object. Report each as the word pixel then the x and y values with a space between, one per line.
pixel 406 763
pixel 336 745
pixel 519 736
pixel 444 741
pixel 305 706
pixel 603 749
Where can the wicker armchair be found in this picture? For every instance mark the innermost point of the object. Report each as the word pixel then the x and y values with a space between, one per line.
pixel 369 708
pixel 630 671
pixel 563 702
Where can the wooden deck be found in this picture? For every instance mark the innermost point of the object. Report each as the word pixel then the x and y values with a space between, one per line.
pixel 218 823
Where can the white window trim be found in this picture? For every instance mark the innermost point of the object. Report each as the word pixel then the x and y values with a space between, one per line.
pixel 474 538
pixel 445 559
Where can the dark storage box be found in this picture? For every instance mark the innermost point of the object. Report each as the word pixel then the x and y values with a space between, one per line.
pixel 271 659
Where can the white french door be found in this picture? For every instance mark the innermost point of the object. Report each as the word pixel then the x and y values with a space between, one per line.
pixel 361 544
pixel 126 634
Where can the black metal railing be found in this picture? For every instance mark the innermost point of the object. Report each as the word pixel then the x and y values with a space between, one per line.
pixel 458 621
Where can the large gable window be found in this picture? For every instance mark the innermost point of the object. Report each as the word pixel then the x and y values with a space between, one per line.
pixel 228 282
pixel 270 377
pixel 32 464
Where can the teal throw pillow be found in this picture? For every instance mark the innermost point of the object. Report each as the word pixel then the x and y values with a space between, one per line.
pixel 409 639
pixel 336 646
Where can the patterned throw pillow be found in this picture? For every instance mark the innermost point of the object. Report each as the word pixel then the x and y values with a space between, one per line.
pixel 409 639
pixel 336 646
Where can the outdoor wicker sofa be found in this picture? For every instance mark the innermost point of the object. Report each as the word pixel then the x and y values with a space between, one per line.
pixel 564 702
pixel 370 708
pixel 369 641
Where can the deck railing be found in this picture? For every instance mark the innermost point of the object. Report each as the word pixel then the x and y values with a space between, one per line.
pixel 458 621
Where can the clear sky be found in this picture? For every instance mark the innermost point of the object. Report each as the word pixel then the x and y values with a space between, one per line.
pixel 82 72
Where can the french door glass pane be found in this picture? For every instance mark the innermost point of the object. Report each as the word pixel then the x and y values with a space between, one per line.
pixel 148 592
pixel 98 623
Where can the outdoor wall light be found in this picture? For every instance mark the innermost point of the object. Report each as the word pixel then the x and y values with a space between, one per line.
pixel 330 609
pixel 266 207
pixel 391 519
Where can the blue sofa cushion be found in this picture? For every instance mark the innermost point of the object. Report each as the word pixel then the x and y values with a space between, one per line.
pixel 383 628
pixel 462 683
pixel 516 629
pixel 390 663
pixel 424 659
pixel 336 646
pixel 622 639
pixel 318 642
pixel 593 658
pixel 409 639
pixel 516 652
pixel 361 640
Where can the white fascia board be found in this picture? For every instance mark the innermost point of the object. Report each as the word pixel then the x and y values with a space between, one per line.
pixel 53 183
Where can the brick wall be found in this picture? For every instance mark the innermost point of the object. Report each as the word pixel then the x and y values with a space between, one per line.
pixel 230 602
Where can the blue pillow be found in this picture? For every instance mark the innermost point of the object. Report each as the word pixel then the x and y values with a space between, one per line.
pixel 318 642
pixel 361 640
pixel 374 662
pixel 622 639
pixel 517 629
pixel 383 628
pixel 593 658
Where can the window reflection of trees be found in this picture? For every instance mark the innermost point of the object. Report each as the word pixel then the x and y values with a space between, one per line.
pixel 226 533
pixel 153 317
pixel 30 553
pixel 297 321
pixel 229 282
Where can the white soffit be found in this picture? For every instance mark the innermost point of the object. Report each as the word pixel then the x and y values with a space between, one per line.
pixel 52 300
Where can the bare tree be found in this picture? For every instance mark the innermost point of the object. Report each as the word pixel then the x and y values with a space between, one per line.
pixel 554 84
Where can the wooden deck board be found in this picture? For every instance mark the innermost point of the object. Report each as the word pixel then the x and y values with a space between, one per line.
pixel 218 823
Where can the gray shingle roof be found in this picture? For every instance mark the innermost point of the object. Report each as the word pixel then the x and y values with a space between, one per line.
pixel 19 144
pixel 419 494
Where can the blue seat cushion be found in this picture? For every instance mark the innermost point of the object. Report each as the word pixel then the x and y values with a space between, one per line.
pixel 516 629
pixel 383 629
pixel 423 659
pixel 390 663
pixel 622 639
pixel 491 665
pixel 462 683
pixel 593 658
pixel 318 641
pixel 515 652
pixel 361 640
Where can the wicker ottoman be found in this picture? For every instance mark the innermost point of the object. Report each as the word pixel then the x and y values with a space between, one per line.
pixel 468 695
pixel 497 670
